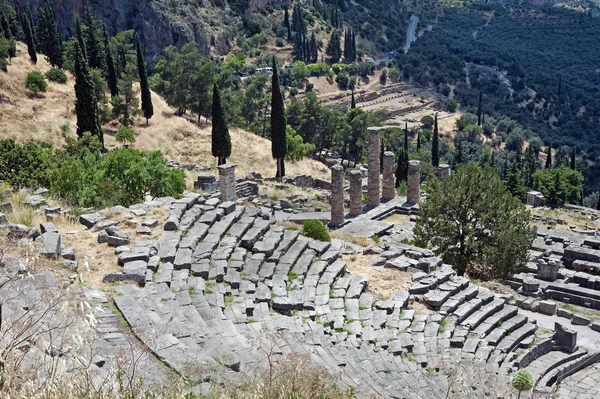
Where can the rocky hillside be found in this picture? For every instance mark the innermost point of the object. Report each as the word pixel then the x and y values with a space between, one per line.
pixel 160 23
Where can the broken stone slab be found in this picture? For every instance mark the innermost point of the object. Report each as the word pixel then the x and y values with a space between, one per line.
pixel 547 307
pixel 103 224
pixel 136 254
pixel 6 207
pixel 143 230
pixel 90 219
pixel 150 223
pixel 121 249
pixel 48 227
pixel 372 250
pixel 397 264
pixel 50 245
pixel 139 212
pixel 228 207
pixel 17 230
pixel 35 201
pixel 68 253
pixel 121 277
pixel 3 219
pixel 102 237
pixel 579 320
pixel 70 265
pixel 117 241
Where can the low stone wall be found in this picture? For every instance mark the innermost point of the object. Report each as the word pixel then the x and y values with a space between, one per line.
pixel 539 350
pixel 572 368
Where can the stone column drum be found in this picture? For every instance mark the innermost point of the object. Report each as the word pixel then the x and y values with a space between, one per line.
pixel 389 187
pixel 355 193
pixel 337 195
pixel 414 182
pixel 443 171
pixel 227 181
pixel 373 173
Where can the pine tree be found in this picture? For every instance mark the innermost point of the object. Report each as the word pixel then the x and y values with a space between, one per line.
pixel 480 108
pixel 334 49
pixel 353 102
pixel 573 159
pixel 278 124
pixel 549 157
pixel 86 104
pixel 406 136
pixel 435 146
pixel 29 39
pixel 113 81
pixel 221 142
pixel 402 167
pixel 147 107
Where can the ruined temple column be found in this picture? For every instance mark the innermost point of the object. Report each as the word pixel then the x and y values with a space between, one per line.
pixel 389 187
pixel 337 195
pixel 443 171
pixel 414 182
pixel 227 181
pixel 373 174
pixel 355 193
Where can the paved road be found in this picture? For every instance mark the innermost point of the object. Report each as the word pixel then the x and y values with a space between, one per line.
pixel 411 33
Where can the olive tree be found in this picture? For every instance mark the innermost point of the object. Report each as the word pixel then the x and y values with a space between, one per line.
pixel 473 222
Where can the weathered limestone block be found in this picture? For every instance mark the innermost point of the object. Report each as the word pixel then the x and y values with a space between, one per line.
pixel 337 195
pixel 355 193
pixel 414 182
pixel 548 270
pixel 227 181
pixel 565 337
pixel 373 173
pixel 389 187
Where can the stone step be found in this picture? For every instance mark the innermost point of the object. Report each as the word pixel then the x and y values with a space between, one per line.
pixel 461 297
pixel 495 320
pixel 500 331
pixel 444 291
pixel 510 342
pixel 478 317
pixel 555 376
pixel 544 364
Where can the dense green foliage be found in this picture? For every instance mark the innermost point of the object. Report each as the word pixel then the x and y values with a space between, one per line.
pixel 559 185
pixel 315 229
pixel 522 380
pixel 79 175
pixel 86 105
pixel 48 37
pixel 475 224
pixel 125 135
pixel 35 82
pixel 220 140
pixel 29 37
pixel 56 75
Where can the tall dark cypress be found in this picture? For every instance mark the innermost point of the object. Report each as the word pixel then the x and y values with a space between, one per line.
pixel 48 36
pixel 86 104
pixel 418 140
pixel 314 50
pixel 80 38
pixel 549 157
pixel 147 107
pixel 406 136
pixel 402 167
pixel 113 80
pixel 5 27
pixel 480 108
pixel 435 145
pixel 572 165
pixel 278 124
pixel 353 102
pixel 29 39
pixel 353 45
pixel 221 142
pixel 459 153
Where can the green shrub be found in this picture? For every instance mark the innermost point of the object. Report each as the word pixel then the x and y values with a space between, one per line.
pixel 316 229
pixel 56 75
pixel 522 381
pixel 125 135
pixel 36 82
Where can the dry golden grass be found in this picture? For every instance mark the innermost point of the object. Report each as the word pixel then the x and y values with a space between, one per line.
pixel 380 282
pixel 25 118
pixel 397 218
pixel 362 241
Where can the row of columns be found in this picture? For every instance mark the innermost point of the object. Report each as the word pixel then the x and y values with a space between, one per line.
pixel 373 183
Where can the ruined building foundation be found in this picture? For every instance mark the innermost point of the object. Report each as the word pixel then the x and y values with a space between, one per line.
pixel 414 182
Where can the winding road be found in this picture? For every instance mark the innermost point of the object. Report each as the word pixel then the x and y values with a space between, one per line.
pixel 411 36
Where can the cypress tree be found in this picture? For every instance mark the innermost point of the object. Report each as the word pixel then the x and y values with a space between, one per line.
pixel 353 45
pixel 48 36
pixel 459 153
pixel 29 40
pixel 406 136
pixel 353 103
pixel 6 27
pixel 278 124
pixel 418 140
pixel 573 159
pixel 86 104
pixel 16 27
pixel 435 145
pixel 147 107
pixel 334 49
pixel 221 142
pixel 549 157
pixel 113 81
pixel 480 108
pixel 80 39
pixel 314 50
pixel 402 167
pixel 95 49
pixel 286 17
pixel 492 159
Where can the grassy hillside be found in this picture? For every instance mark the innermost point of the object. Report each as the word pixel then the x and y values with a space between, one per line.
pixel 49 116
